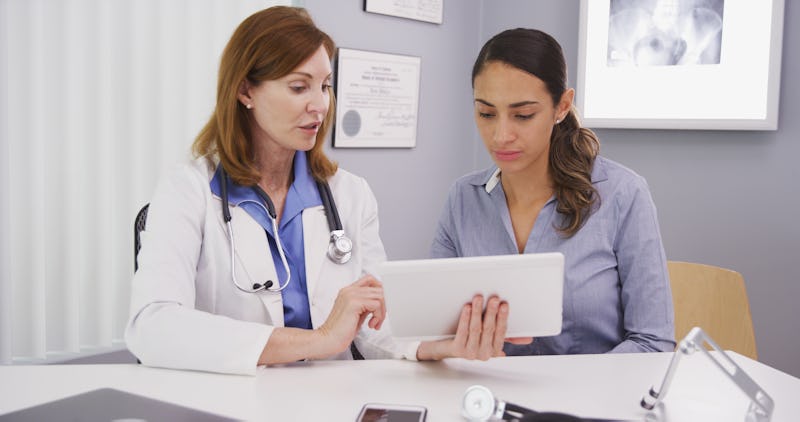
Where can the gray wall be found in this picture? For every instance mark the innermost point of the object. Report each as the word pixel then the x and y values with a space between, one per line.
pixel 411 184
pixel 725 198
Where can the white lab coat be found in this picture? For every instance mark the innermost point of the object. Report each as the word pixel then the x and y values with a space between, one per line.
pixel 185 310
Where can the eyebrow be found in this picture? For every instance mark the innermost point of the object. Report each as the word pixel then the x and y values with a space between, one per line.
pixel 512 105
pixel 309 76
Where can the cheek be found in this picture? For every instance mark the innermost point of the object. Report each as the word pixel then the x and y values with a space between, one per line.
pixel 539 135
pixel 485 128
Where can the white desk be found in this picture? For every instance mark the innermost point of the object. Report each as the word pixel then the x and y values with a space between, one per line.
pixel 609 386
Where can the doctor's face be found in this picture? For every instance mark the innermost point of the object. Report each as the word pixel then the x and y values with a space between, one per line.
pixel 515 114
pixel 288 112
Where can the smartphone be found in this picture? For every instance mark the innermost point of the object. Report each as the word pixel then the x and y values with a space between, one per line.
pixel 380 412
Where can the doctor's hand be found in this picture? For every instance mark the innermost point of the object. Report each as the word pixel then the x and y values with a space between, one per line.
pixel 354 304
pixel 480 335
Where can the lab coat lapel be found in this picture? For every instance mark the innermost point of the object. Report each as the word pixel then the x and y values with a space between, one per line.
pixel 254 261
pixel 316 235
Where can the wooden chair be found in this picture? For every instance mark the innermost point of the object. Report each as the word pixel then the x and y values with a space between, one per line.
pixel 715 300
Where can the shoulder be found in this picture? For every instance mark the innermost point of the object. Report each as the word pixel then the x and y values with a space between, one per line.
pixel 611 175
pixel 346 181
pixel 475 178
pixel 471 183
pixel 350 190
pixel 619 184
pixel 189 176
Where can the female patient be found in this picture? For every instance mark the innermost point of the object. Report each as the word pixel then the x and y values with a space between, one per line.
pixel 550 191
pixel 226 293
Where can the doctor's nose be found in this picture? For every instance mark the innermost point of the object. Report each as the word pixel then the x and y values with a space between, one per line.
pixel 319 102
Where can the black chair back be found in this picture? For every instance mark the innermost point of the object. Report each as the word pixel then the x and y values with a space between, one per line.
pixel 138 226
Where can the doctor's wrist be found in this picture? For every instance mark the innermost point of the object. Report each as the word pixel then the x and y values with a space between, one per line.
pixel 327 343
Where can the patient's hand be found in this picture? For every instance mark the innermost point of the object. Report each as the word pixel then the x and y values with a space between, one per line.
pixel 479 335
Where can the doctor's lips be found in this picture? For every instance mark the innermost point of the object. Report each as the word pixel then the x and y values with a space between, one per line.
pixel 311 126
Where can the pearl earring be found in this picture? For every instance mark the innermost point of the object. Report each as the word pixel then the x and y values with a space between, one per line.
pixel 249 106
pixel 558 121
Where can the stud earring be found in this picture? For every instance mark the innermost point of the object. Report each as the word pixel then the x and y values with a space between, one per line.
pixel 558 121
pixel 249 106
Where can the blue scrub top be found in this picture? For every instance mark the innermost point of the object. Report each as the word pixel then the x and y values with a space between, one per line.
pixel 303 193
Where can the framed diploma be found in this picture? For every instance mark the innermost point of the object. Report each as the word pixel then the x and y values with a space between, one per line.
pixel 421 10
pixel 377 99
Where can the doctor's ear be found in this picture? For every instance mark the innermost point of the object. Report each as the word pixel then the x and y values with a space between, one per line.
pixel 244 96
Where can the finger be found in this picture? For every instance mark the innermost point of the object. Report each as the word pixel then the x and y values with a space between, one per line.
pixel 378 313
pixel 473 341
pixel 520 340
pixel 462 332
pixel 368 280
pixel 371 300
pixel 361 321
pixel 500 330
pixel 488 330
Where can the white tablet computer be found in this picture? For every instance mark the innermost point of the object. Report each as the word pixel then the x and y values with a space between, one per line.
pixel 424 297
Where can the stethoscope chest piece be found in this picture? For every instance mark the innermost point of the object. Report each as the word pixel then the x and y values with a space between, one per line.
pixel 340 249
pixel 478 404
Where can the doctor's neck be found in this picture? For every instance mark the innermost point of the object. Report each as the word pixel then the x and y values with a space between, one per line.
pixel 275 166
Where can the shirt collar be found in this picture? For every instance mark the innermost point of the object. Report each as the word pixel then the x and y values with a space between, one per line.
pixel 494 180
pixel 490 178
pixel 304 185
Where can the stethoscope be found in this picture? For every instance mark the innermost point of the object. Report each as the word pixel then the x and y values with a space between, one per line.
pixel 340 249
pixel 479 405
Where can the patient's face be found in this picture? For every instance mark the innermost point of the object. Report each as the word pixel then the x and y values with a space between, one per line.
pixel 515 115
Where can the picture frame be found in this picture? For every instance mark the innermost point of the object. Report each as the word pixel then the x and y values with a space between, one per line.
pixel 640 69
pixel 422 10
pixel 377 96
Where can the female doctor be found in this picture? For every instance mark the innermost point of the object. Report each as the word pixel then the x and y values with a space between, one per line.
pixel 255 253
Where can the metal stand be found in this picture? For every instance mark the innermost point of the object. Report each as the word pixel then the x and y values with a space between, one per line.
pixel 761 404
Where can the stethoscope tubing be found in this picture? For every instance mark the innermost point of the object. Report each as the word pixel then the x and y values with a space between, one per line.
pixel 334 224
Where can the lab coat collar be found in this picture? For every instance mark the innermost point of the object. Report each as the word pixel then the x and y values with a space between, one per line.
pixel 316 236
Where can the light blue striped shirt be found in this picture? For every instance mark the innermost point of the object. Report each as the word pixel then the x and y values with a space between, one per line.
pixel 617 295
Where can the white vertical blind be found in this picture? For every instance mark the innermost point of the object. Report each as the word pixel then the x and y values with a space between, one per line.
pixel 97 99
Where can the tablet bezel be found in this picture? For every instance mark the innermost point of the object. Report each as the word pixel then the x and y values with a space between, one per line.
pixel 424 297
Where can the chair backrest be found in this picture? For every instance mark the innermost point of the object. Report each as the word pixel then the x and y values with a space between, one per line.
pixel 715 300
pixel 138 225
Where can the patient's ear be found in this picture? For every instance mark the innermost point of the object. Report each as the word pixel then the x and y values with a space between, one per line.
pixel 565 104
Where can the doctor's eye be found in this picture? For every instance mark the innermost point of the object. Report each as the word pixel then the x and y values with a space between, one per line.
pixel 299 89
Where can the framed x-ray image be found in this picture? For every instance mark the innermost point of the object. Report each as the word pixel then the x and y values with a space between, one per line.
pixel 680 64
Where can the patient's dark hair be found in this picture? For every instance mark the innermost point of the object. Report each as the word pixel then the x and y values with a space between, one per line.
pixel 572 147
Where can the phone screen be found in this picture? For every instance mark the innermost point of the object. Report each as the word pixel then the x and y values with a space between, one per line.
pixel 377 414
